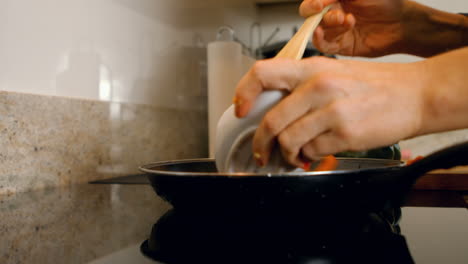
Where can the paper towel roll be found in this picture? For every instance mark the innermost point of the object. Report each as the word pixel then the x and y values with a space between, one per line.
pixel 226 66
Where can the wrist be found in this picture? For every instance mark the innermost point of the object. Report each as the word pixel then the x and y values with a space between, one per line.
pixel 413 79
pixel 427 98
pixel 444 92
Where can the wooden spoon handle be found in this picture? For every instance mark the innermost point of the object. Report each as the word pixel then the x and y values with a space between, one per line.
pixel 295 47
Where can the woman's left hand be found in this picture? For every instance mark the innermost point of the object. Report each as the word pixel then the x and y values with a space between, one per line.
pixel 333 106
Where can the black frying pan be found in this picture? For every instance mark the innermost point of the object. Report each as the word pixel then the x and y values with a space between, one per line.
pixel 357 184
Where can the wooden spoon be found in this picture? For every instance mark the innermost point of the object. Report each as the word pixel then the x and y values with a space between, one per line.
pixel 295 47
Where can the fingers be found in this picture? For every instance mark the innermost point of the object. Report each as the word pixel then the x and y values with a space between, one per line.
pixel 325 135
pixel 276 74
pixel 334 25
pixel 350 21
pixel 280 74
pixel 333 29
pixel 323 45
pixel 293 138
pixel 276 120
pixel 338 18
pixel 294 115
pixel 310 7
pixel 335 17
pixel 325 144
pixel 286 75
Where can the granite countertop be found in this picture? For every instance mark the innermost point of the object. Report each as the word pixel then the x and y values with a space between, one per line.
pixel 77 223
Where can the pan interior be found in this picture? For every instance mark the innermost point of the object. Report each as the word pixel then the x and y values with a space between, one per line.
pixel 207 167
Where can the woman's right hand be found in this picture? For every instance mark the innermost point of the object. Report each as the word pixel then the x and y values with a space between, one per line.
pixel 368 28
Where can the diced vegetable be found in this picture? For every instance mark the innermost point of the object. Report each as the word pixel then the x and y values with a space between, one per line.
pixel 328 163
pixel 306 166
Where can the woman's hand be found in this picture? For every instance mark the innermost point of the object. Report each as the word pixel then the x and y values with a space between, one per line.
pixel 334 106
pixel 367 28
pixel 372 28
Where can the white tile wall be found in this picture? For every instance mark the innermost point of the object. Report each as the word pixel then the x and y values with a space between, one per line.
pixel 139 51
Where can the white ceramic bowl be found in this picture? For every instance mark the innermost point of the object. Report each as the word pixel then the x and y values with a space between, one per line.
pixel 233 149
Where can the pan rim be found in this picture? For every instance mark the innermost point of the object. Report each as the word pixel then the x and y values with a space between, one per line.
pixel 296 173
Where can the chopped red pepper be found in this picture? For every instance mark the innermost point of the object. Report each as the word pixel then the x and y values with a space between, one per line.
pixel 306 166
pixel 328 163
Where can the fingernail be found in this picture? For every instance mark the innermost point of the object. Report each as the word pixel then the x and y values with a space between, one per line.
pixel 340 18
pixel 318 6
pixel 306 166
pixel 258 159
pixel 236 101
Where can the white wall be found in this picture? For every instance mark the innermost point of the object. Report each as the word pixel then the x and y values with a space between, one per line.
pixel 138 51
pixel 436 235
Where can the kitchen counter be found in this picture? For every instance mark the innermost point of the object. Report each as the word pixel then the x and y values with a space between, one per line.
pixel 107 223
pixel 75 224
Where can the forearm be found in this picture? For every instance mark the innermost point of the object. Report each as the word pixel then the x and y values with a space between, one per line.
pixel 444 79
pixel 428 32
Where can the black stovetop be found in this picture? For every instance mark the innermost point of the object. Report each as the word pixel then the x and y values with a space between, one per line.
pixel 273 237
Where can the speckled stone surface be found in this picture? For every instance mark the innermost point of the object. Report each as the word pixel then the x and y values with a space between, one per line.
pixel 52 146
pixel 53 141
pixel 75 224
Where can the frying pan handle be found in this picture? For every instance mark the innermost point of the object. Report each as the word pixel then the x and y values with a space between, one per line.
pixel 446 158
